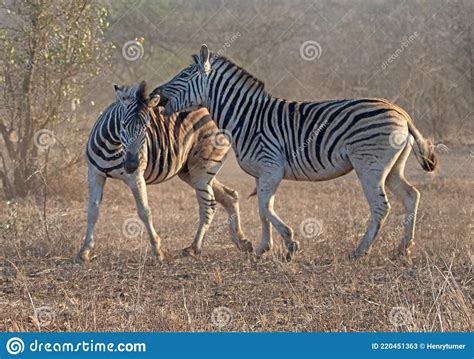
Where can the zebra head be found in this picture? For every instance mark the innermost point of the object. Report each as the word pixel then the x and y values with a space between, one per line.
pixel 190 87
pixel 135 116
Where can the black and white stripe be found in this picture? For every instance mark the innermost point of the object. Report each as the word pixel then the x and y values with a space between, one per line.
pixel 133 142
pixel 277 139
pixel 164 146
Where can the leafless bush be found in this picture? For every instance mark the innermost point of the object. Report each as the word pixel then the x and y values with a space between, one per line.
pixel 47 52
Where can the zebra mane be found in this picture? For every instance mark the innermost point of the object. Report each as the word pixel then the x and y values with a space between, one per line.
pixel 215 58
pixel 259 82
pixel 138 92
pixel 141 93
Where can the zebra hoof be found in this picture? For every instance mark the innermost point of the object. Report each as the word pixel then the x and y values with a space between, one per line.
pixel 83 256
pixel 356 254
pixel 246 246
pixel 262 249
pixel 403 251
pixel 190 252
pixel 160 255
pixel 293 247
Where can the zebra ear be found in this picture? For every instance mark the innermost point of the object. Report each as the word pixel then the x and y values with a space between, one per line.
pixel 122 95
pixel 153 101
pixel 204 58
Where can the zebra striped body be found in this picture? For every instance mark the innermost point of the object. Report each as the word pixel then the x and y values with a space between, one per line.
pixel 277 139
pixel 312 141
pixel 132 141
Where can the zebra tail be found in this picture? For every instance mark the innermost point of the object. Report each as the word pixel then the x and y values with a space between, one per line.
pixel 424 149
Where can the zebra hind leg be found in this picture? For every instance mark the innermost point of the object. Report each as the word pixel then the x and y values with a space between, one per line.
pixel 207 209
pixel 373 176
pixel 410 196
pixel 96 184
pixel 229 199
pixel 267 186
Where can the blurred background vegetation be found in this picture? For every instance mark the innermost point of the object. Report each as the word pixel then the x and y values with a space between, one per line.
pixel 60 58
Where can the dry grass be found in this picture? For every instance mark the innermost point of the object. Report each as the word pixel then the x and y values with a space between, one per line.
pixel 124 289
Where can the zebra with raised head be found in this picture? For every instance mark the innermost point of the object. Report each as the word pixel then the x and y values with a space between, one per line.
pixel 133 142
pixel 276 139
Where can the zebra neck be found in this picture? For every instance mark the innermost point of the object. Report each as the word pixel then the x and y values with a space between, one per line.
pixel 117 124
pixel 110 127
pixel 233 102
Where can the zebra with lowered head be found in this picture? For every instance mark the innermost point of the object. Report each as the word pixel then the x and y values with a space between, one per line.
pixel 133 142
pixel 276 139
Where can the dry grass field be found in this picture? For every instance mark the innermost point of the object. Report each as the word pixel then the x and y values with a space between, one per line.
pixel 124 289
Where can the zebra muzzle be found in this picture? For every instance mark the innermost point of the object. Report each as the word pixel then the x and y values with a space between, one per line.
pixel 131 162
pixel 169 110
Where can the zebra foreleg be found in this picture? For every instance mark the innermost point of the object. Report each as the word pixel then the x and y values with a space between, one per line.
pixel 229 199
pixel 266 188
pixel 96 184
pixel 138 186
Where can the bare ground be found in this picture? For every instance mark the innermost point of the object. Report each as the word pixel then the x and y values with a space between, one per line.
pixel 124 289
